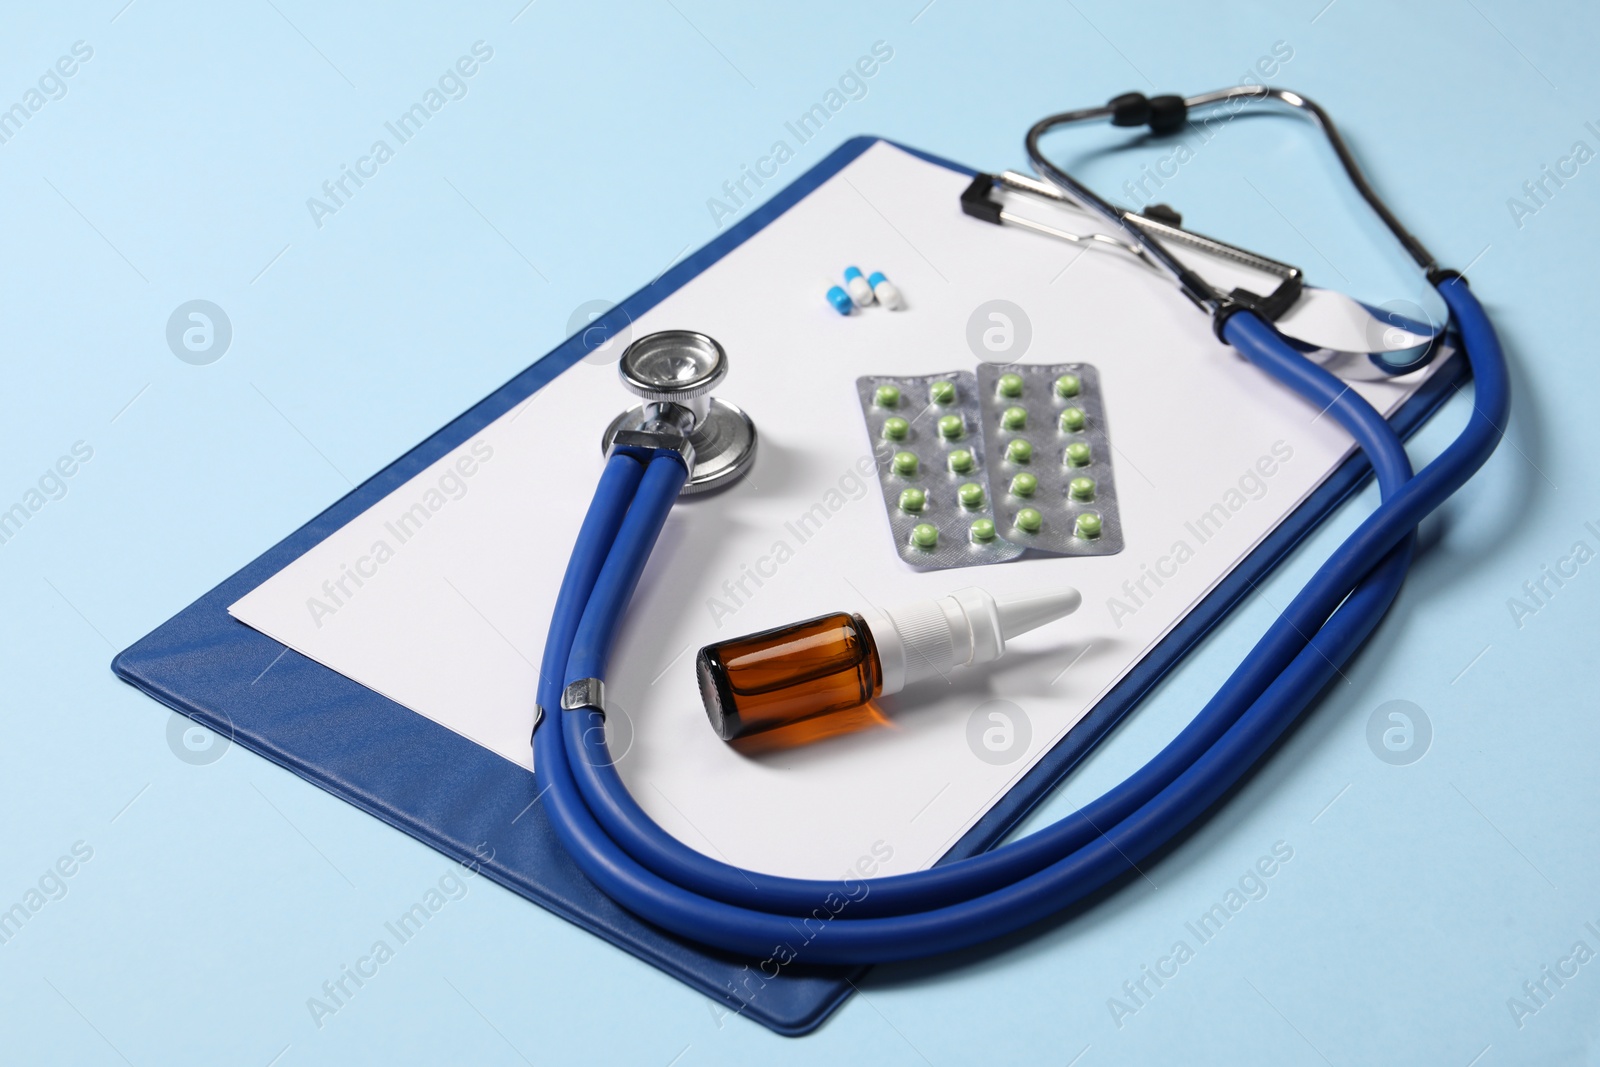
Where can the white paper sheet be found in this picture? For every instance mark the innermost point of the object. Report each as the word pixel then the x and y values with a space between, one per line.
pixel 459 568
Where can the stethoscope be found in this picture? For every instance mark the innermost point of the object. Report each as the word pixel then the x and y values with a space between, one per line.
pixel 679 438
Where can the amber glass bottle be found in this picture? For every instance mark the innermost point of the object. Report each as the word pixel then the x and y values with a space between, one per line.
pixel 781 676
pixel 837 663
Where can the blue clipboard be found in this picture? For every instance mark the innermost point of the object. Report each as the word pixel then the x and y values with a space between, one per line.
pixel 477 807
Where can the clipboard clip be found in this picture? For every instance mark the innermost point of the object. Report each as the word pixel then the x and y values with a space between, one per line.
pixel 1159 220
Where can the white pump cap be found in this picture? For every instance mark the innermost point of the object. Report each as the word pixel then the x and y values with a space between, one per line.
pixel 930 638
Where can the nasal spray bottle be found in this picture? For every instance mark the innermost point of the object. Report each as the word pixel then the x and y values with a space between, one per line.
pixel 836 663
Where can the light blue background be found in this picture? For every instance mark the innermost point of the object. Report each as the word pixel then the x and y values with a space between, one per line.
pixel 220 897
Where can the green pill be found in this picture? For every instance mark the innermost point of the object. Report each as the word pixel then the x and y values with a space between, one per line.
pixel 912 499
pixel 1072 419
pixel 1029 520
pixel 895 428
pixel 983 530
pixel 1068 385
pixel 905 463
pixel 925 535
pixel 1078 454
pixel 1088 525
pixel 1014 418
pixel 961 461
pixel 942 392
pixel 1010 385
pixel 1024 484
pixel 970 495
pixel 887 396
pixel 1019 451
pixel 1081 488
pixel 952 427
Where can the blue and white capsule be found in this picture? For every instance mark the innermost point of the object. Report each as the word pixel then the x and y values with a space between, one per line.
pixel 840 300
pixel 884 290
pixel 860 289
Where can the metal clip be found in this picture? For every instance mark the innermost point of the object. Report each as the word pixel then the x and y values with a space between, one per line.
pixel 646 444
pixel 1158 221
pixel 585 694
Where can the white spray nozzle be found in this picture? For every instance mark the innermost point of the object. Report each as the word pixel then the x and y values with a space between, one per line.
pixel 1017 617
pixel 930 638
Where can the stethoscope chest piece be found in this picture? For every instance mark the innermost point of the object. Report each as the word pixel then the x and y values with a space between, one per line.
pixel 673 372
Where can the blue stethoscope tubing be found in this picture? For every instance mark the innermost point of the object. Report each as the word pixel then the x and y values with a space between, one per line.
pixel 965 902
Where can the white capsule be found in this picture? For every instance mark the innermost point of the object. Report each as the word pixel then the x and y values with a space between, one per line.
pixel 885 291
pixel 860 290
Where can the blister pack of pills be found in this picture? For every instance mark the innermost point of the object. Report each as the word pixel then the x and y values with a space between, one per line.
pixel 1044 429
pixel 927 435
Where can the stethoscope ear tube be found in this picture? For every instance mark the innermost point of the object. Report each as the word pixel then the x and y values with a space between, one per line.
pixel 1132 109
